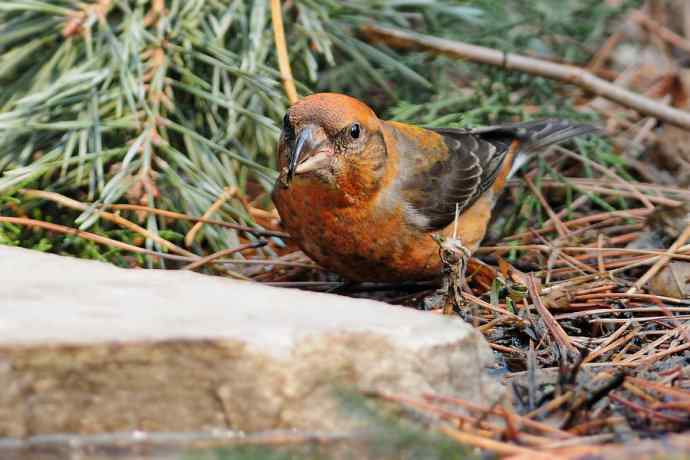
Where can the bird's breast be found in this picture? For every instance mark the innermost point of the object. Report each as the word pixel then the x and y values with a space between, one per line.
pixel 361 241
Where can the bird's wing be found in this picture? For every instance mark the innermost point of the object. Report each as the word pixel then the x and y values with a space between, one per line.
pixel 472 164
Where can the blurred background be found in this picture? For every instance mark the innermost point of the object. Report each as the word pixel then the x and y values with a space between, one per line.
pixel 171 104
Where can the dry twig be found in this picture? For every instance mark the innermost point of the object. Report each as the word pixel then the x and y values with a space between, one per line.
pixel 564 73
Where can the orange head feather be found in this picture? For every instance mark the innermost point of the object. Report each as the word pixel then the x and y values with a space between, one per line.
pixel 334 140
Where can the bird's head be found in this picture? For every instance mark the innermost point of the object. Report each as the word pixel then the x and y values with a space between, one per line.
pixel 332 140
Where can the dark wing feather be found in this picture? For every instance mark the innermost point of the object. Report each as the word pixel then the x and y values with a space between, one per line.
pixel 474 159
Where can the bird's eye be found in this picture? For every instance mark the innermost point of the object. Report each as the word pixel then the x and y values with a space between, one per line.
pixel 355 130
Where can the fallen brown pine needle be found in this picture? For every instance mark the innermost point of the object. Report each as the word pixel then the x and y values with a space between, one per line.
pixel 224 253
pixel 82 234
pixel 228 193
pixel 499 410
pixel 552 325
pixel 115 218
pixel 502 448
pixel 173 215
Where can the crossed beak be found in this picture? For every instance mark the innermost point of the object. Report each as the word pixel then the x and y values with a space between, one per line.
pixel 307 153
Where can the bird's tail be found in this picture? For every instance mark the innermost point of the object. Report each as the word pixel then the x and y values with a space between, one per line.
pixel 543 133
pixel 537 135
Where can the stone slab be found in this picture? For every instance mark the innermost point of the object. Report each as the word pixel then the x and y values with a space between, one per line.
pixel 86 347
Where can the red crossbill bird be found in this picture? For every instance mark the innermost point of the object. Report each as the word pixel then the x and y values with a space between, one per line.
pixel 365 197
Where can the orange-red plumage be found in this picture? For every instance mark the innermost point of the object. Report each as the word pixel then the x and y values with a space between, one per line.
pixel 363 196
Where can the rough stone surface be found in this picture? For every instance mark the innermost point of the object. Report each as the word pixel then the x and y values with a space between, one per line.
pixel 86 347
